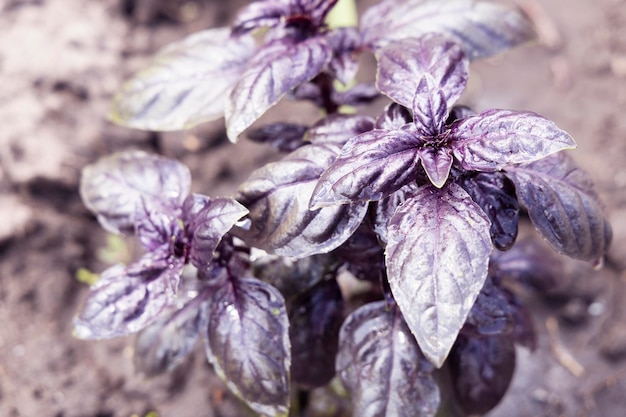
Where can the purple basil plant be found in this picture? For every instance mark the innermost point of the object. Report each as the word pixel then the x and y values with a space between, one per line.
pixel 421 205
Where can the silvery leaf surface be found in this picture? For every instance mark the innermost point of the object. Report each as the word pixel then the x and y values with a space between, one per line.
pixel 481 28
pixel 563 206
pixel 382 367
pixel 186 84
pixel 113 187
pixel 437 254
pixel 248 344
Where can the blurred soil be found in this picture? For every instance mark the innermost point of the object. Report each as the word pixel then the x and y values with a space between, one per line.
pixel 60 63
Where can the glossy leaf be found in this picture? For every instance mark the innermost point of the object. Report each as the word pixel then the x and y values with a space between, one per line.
pixel 492 314
pixel 481 28
pixel 438 269
pixel 285 137
pixel 363 254
pixel 156 226
pixel 258 14
pixel 278 195
pixel 163 345
pixel 429 107
pixel 314 321
pixel 385 209
pixel 125 300
pixel 248 344
pixel 275 70
pixel 495 194
pixel 482 369
pixel 437 163
pixel 402 65
pixel 495 139
pixel 394 117
pixel 187 83
pixel 113 187
pixel 371 166
pixel 563 206
pixel 382 367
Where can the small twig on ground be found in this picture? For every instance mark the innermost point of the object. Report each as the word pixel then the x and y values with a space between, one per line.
pixel 558 350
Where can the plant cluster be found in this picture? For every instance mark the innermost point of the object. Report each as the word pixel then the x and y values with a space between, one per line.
pixel 421 203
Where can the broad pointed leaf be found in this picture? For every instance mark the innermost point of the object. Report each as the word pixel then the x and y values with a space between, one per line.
pixel 437 254
pixel 163 345
pixel 481 28
pixel 248 344
pixel 495 139
pixel 495 194
pixel 314 321
pixel 382 367
pixel 258 14
pixel 429 107
pixel 127 299
pixel 371 166
pixel 112 187
pixel 187 83
pixel 437 163
pixel 563 206
pixel 278 67
pixel 402 65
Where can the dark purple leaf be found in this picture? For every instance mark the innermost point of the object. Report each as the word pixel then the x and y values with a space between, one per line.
pixel 563 206
pixel 188 82
pixel 113 187
pixel 403 64
pixel 481 28
pixel 209 225
pixel 437 163
pixel 492 314
pixel 346 44
pixel 437 256
pixel 385 209
pixel 363 93
pixel 495 194
pixel 495 139
pixel 429 107
pixel 337 129
pixel 260 14
pixel 394 117
pixel 248 344
pixel 382 367
pixel 363 254
pixel 482 369
pixel 127 299
pixel 285 137
pixel 371 166
pixel 278 195
pixel 163 345
pixel 275 70
pixel 459 112
pixel 314 321
pixel 156 226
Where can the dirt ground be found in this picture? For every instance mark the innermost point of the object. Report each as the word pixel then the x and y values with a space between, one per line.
pixel 60 62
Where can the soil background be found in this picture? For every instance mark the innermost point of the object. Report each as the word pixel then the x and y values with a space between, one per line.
pixel 60 63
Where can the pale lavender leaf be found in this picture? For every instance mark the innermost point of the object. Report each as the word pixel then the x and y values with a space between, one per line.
pixel 276 69
pixel 563 206
pixel 186 84
pixel 402 65
pixel 371 166
pixel 394 117
pixel 258 14
pixel 481 28
pixel 113 186
pixel 495 139
pixel 335 130
pixel 437 254
pixel 437 163
pixel 248 344
pixel 382 367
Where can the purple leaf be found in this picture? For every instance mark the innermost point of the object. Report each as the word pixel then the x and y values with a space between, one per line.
pixel 429 107
pixel 437 254
pixel 363 254
pixel 403 64
pixel 495 194
pixel 278 195
pixel 563 206
pixel 163 345
pixel 314 321
pixel 337 129
pixel 248 344
pixel 113 187
pixel 385 209
pixel 482 29
pixel 260 14
pixel 492 314
pixel 187 83
pixel 495 139
pixel 437 163
pixel 285 137
pixel 275 70
pixel 208 225
pixel 346 44
pixel 382 367
pixel 394 117
pixel 156 226
pixel 459 111
pixel 127 299
pixel 482 369
pixel 363 93
pixel 371 166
